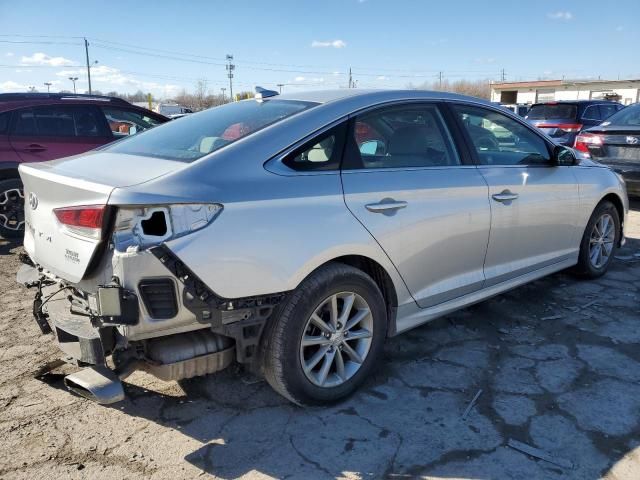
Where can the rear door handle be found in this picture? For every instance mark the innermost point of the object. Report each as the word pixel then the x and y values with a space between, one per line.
pixel 34 147
pixel 387 205
pixel 505 196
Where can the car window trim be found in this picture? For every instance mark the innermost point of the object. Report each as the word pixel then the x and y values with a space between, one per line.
pixel 471 146
pixel 462 154
pixel 596 106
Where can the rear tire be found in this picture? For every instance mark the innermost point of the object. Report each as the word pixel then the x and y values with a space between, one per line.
pixel 599 241
pixel 328 311
pixel 11 208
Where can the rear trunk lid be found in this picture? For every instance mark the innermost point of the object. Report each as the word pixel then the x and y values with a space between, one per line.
pixel 76 181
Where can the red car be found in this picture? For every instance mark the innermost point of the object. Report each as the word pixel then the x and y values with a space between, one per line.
pixel 35 127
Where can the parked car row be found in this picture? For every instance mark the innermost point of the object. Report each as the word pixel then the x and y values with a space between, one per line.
pixel 36 127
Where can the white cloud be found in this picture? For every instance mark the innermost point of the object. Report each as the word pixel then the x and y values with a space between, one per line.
pixel 10 86
pixel 44 59
pixel 332 43
pixel 560 15
pixel 298 79
pixel 9 54
pixel 382 77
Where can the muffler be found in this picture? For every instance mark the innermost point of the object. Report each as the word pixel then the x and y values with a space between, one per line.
pixel 96 383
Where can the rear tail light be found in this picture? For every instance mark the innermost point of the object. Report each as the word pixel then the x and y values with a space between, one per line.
pixel 85 220
pixel 584 140
pixel 567 127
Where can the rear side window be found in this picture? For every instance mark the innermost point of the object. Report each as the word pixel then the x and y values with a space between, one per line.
pixel 606 110
pixel 59 121
pixel 197 135
pixel 320 154
pixel 628 117
pixel 124 122
pixel 400 137
pixel 553 111
pixel 500 140
pixel 4 122
pixel 592 112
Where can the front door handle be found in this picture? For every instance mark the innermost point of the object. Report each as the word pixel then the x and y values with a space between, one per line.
pixel 34 147
pixel 505 196
pixel 386 206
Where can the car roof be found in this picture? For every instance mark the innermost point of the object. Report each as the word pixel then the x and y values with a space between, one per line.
pixel 11 101
pixel 376 95
pixel 574 102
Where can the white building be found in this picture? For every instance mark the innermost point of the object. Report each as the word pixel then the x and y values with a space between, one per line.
pixel 623 91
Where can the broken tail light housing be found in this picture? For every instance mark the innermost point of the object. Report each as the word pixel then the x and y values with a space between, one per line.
pixel 84 220
pixel 142 227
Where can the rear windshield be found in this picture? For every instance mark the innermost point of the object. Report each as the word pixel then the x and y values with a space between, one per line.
pixel 553 111
pixel 627 117
pixel 189 138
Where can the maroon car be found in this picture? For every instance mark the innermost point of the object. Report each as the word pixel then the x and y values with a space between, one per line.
pixel 35 127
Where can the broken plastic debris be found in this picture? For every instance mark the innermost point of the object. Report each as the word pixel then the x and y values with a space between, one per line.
pixel 541 454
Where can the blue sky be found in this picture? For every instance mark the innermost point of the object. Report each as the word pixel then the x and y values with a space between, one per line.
pixel 311 44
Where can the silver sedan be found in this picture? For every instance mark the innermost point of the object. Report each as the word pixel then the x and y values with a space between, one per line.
pixel 293 234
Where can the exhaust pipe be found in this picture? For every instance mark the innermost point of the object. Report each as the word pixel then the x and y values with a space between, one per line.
pixel 96 383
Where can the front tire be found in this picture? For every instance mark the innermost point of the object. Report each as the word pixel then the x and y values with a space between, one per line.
pixel 326 338
pixel 599 241
pixel 11 208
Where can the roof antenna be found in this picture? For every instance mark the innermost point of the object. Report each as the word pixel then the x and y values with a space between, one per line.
pixel 262 93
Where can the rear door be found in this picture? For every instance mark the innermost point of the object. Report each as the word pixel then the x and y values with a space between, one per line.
pixel 8 156
pixel 420 197
pixel 49 132
pixel 534 204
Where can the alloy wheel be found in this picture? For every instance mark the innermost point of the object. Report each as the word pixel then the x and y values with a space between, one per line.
pixel 601 241
pixel 336 339
pixel 12 209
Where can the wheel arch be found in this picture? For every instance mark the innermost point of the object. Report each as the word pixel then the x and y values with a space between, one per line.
pixel 617 202
pixel 9 171
pixel 381 278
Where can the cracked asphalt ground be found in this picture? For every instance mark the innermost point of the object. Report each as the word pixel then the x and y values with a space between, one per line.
pixel 557 361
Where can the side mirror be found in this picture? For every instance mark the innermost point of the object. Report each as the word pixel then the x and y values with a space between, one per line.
pixel 563 156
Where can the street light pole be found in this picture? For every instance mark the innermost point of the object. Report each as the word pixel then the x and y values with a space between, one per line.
pixel 48 84
pixel 73 79
pixel 280 85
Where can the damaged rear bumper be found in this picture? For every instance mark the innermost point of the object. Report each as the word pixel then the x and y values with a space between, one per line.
pixel 155 315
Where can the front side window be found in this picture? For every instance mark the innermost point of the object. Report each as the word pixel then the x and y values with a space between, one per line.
pixel 500 140
pixel 124 122
pixel 197 135
pixel 59 121
pixel 400 137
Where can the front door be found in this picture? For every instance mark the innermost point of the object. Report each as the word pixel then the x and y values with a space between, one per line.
pixel 56 131
pixel 406 182
pixel 534 204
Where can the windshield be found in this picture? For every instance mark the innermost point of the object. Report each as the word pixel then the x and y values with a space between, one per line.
pixel 553 111
pixel 627 117
pixel 199 134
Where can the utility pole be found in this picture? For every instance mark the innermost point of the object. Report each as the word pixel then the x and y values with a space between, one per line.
pixel 280 85
pixel 230 68
pixel 503 75
pixel 440 80
pixel 350 78
pixel 86 51
pixel 48 84
pixel 73 79
pixel 223 89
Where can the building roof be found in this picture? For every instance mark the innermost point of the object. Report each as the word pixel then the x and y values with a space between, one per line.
pixel 556 83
